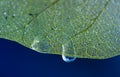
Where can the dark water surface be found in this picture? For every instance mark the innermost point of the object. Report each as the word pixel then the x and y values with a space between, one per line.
pixel 19 61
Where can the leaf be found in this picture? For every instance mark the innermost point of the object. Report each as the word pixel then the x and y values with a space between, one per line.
pixel 77 28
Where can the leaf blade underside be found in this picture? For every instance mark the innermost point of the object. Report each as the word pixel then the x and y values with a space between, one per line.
pixel 92 25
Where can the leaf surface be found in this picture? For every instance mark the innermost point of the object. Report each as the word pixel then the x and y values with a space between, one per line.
pixel 90 28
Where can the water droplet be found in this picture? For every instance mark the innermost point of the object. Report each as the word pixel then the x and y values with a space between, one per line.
pixel 68 49
pixel 14 15
pixel 68 59
pixel 5 13
pixel 41 46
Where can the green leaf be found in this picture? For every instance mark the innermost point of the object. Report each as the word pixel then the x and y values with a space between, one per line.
pixel 75 28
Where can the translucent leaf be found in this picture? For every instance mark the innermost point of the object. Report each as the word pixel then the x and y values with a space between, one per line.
pixel 45 26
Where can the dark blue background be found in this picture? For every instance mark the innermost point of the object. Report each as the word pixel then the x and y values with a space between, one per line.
pixel 19 61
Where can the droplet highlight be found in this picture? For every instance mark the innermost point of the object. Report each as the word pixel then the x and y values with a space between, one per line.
pixel 68 49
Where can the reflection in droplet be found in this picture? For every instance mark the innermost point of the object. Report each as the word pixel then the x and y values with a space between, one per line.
pixel 41 46
pixel 68 49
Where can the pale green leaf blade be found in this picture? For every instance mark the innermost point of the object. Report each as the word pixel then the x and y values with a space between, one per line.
pixel 90 28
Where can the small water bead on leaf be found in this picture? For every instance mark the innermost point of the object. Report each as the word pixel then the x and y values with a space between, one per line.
pixel 67 51
pixel 41 46
pixel 5 15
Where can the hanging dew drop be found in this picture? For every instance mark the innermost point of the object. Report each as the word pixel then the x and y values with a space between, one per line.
pixel 68 59
pixel 68 49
